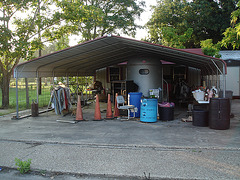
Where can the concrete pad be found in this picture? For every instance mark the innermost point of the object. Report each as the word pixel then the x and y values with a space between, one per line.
pixel 172 149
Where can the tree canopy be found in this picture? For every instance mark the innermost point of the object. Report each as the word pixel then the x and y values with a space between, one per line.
pixel 26 24
pixel 231 39
pixel 18 38
pixel 94 18
pixel 206 19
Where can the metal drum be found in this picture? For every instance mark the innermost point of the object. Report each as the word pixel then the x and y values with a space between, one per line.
pixel 148 110
pixel 219 113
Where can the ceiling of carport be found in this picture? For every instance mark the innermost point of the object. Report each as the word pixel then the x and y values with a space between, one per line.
pixel 84 59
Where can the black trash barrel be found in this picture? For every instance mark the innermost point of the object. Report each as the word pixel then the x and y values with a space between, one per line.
pixel 200 117
pixel 166 113
pixel 219 113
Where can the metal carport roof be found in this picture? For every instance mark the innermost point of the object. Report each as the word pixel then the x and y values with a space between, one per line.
pixel 84 59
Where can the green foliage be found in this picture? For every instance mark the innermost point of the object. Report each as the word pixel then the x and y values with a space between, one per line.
pixel 62 43
pixel 206 18
pixel 210 49
pixel 231 38
pixel 95 18
pixel 167 25
pixel 27 24
pixel 171 38
pixel 23 166
pixel 22 25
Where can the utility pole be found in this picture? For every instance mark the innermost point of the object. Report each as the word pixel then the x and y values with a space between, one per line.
pixel 39 51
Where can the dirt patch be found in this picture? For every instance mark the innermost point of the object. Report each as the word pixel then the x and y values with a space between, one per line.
pixel 11 173
pixel 6 111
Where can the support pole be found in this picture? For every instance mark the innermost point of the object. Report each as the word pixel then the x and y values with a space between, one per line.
pixel 27 93
pixel 224 76
pixel 53 78
pixel 77 84
pixel 207 80
pixel 167 90
pixel 162 86
pixel 17 109
pixel 37 87
pixel 224 83
pixel 86 80
pixel 67 81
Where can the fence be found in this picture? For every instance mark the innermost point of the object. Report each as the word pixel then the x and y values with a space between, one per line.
pixel 27 90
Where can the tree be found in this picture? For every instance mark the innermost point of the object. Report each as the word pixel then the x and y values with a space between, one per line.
pixel 231 38
pixel 210 49
pixel 18 35
pixel 94 18
pixel 167 23
pixel 22 35
pixel 204 17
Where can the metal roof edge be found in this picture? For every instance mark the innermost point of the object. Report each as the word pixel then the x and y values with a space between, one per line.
pixel 124 39
pixel 179 50
pixel 62 50
pixel 182 50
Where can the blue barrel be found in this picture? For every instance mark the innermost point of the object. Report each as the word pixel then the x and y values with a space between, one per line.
pixel 134 98
pixel 149 110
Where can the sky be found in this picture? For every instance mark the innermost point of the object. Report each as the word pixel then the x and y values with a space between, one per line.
pixel 140 33
pixel 145 16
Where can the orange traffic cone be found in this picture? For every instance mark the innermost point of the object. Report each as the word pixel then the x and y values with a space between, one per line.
pixel 79 115
pixel 97 114
pixel 109 114
pixel 116 110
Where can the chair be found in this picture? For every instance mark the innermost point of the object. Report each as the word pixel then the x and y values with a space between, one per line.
pixel 120 105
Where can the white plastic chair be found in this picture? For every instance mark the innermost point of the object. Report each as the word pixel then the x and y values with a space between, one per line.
pixel 120 105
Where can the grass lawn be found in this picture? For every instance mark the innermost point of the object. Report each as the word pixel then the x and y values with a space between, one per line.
pixel 43 98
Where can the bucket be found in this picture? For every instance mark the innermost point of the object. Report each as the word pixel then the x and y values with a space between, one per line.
pixel 200 118
pixel 148 110
pixel 166 113
pixel 134 98
pixel 199 96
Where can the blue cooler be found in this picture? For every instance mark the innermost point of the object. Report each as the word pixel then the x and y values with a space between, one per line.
pixel 149 110
pixel 134 98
